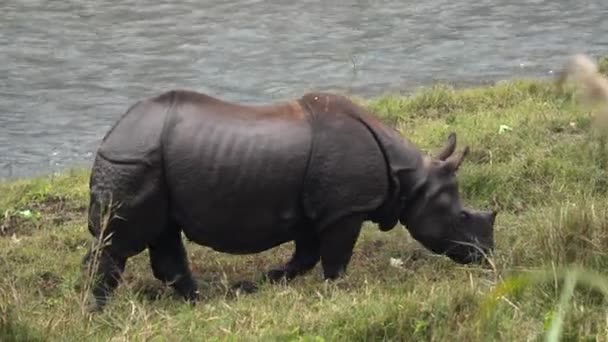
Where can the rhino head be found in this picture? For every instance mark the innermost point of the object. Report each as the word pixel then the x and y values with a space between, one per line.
pixel 437 217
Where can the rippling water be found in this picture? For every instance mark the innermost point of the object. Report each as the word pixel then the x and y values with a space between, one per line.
pixel 69 68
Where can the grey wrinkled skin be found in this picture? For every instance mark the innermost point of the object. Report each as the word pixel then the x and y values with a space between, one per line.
pixel 243 179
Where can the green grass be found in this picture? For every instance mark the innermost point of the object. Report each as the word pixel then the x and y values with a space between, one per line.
pixel 547 175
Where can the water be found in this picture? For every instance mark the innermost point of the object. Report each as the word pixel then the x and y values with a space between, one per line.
pixel 69 68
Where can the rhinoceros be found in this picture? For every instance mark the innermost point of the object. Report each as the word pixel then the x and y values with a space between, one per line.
pixel 244 178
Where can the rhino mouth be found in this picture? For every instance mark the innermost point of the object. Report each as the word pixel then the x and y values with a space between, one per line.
pixel 464 252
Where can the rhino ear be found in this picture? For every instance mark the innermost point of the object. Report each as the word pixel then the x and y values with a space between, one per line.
pixel 449 148
pixel 452 164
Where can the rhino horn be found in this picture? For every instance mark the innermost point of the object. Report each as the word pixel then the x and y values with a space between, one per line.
pixel 449 148
pixel 455 160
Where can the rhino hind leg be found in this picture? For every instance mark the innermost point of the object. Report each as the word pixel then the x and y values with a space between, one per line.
pixel 306 255
pixel 169 263
pixel 128 209
pixel 108 273
pixel 337 243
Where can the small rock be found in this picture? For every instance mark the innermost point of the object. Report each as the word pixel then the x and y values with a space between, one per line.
pixel 396 262
pixel 25 213
pixel 504 128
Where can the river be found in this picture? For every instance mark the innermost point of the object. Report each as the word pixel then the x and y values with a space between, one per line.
pixel 70 68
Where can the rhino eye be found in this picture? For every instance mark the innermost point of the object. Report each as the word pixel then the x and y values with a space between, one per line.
pixel 464 215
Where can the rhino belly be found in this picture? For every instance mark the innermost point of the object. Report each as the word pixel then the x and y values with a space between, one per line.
pixel 235 186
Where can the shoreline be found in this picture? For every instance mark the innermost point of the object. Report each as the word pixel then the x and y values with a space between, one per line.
pixel 407 93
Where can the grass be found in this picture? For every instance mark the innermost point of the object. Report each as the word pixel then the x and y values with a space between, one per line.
pixel 546 173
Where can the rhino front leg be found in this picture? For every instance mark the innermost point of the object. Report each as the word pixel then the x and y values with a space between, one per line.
pixel 337 243
pixel 169 263
pixel 305 257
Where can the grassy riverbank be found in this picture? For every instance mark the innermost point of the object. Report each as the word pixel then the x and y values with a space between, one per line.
pixel 534 157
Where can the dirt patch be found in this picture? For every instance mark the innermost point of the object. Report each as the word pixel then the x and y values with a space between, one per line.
pixel 48 283
pixel 50 211
pixel 60 210
pixel 13 222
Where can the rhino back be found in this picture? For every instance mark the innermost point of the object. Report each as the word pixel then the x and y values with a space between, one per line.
pixel 235 174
